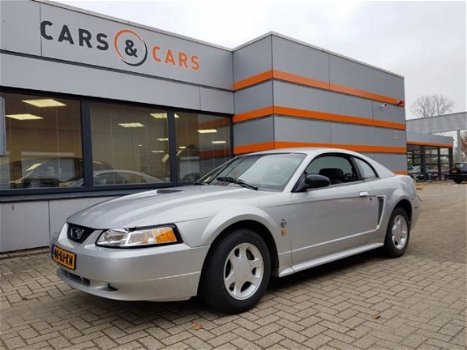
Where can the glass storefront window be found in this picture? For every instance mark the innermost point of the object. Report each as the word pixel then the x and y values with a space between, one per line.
pixel 123 143
pixel 444 151
pixel 43 142
pixel 203 143
pixel 431 151
pixel 130 144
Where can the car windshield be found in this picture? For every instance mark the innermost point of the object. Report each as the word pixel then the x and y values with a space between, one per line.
pixel 269 172
pixel 462 166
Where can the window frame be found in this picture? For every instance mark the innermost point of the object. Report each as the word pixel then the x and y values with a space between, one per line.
pixel 89 189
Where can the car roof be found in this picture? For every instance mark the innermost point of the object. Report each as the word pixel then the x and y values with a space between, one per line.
pixel 309 151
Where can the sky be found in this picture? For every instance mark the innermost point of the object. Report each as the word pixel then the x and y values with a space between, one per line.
pixel 423 41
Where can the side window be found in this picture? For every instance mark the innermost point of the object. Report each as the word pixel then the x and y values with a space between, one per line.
pixel 338 169
pixel 366 170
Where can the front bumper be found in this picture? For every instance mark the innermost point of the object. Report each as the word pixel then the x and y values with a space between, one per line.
pixel 164 273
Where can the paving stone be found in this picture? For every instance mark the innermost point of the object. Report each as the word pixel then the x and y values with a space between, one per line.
pixel 365 302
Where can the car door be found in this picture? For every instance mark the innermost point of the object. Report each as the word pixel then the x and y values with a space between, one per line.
pixel 332 219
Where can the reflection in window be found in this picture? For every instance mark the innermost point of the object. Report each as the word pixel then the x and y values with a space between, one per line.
pixel 133 141
pixel 43 142
pixel 203 143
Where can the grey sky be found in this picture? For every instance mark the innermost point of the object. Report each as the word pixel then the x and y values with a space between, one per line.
pixel 423 41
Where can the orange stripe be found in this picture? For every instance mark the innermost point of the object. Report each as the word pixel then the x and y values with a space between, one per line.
pixel 287 144
pixel 401 172
pixel 297 79
pixel 418 143
pixel 309 114
pixel 253 80
pixel 365 94
pixel 254 147
pixel 257 113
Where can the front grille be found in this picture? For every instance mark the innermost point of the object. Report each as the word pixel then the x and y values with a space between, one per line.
pixel 78 233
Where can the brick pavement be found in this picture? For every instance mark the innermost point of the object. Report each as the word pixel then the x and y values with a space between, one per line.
pixel 363 302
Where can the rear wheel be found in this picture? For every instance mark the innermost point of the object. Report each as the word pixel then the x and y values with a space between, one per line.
pixel 397 234
pixel 458 181
pixel 237 272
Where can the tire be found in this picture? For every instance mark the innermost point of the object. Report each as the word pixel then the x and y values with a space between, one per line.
pixel 458 181
pixel 397 234
pixel 237 272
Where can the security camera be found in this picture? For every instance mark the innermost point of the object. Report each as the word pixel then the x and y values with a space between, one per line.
pixel 383 105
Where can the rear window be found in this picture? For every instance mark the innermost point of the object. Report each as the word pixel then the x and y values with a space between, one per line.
pixel 366 170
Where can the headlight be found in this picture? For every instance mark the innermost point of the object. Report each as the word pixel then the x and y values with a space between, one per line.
pixel 139 237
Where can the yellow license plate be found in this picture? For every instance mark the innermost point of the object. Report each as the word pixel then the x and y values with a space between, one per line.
pixel 64 257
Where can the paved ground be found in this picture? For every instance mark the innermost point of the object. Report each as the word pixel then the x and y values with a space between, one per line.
pixel 364 302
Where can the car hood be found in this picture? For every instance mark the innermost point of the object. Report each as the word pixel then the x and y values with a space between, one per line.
pixel 164 206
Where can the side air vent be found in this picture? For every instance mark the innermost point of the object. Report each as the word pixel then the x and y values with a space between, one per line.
pixel 380 208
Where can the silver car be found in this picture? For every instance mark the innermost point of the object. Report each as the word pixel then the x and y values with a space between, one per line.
pixel 261 214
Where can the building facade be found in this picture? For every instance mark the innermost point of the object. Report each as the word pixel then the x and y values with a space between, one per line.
pixel 94 107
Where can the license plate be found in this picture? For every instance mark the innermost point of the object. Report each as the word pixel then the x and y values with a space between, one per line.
pixel 64 257
pixel 454 171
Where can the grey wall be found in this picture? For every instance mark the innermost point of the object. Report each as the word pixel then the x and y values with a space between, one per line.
pixel 26 225
pixel 428 138
pixel 50 65
pixel 295 58
pixel 252 58
pixel 38 74
pixel 441 123
pixel 306 110
pixel 304 130
pixel 346 72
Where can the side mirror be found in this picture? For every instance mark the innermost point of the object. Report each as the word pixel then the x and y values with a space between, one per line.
pixel 317 181
pixel 312 181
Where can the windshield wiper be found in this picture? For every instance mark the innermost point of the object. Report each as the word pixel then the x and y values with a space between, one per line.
pixel 197 182
pixel 236 181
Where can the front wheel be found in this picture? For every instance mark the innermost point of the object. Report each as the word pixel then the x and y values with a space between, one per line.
pixel 458 181
pixel 397 234
pixel 237 272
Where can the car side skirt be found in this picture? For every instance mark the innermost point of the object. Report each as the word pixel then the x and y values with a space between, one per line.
pixel 328 258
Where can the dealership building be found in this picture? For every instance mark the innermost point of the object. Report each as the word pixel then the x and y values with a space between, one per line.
pixel 93 107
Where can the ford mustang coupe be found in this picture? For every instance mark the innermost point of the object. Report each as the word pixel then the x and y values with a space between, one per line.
pixel 260 214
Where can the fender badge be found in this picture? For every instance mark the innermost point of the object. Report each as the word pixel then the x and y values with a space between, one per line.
pixel 284 230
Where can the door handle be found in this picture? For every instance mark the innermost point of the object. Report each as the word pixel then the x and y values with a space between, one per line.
pixel 364 194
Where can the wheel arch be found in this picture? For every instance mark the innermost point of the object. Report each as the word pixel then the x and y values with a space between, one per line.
pixel 254 225
pixel 406 206
pixel 260 229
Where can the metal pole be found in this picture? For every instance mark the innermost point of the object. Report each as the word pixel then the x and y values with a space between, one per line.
pixel 2 127
pixel 458 156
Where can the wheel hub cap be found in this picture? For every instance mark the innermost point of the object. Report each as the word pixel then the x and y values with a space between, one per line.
pixel 243 271
pixel 399 232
